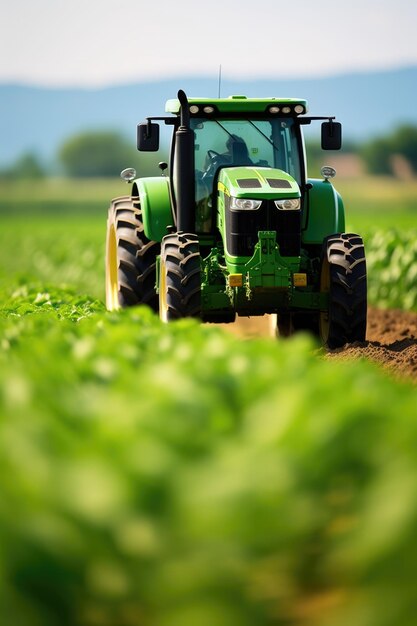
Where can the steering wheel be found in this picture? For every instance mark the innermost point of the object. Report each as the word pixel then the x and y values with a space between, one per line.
pixel 216 159
pixel 212 155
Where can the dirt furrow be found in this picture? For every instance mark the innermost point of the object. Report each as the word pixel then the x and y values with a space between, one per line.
pixel 391 339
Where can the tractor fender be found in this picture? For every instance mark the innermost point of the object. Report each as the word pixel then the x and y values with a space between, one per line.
pixel 323 213
pixel 155 203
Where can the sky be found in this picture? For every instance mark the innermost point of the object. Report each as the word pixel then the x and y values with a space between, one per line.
pixel 95 43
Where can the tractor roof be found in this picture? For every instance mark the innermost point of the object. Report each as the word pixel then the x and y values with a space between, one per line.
pixel 237 104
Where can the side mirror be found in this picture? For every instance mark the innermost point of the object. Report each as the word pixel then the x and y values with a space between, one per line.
pixel 331 135
pixel 148 137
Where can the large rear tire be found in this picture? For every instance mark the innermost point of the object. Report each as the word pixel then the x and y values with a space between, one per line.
pixel 180 277
pixel 343 277
pixel 130 258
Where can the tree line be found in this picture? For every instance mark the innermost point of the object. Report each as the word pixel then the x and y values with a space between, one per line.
pixel 106 153
pixel 379 155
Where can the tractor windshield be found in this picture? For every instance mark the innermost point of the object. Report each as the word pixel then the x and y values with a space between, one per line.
pixel 260 142
pixel 269 143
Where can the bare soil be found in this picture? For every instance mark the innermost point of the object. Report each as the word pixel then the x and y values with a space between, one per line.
pixel 391 339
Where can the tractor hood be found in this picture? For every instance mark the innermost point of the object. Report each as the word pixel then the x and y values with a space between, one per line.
pixel 257 182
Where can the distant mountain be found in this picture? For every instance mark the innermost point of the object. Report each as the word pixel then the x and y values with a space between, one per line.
pixel 40 119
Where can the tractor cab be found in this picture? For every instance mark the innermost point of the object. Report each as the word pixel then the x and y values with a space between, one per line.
pixel 236 132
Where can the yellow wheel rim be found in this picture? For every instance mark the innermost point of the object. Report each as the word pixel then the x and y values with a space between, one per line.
pixel 112 284
pixel 163 304
pixel 324 287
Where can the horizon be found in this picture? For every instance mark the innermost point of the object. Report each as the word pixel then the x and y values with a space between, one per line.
pixel 214 77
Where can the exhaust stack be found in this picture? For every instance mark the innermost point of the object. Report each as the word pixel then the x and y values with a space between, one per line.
pixel 184 184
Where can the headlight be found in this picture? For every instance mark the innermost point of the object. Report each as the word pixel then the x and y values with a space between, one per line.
pixel 290 204
pixel 243 204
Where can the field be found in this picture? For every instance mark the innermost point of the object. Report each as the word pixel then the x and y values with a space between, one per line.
pixel 182 476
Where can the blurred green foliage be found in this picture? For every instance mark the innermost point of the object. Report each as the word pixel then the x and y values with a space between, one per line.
pixel 27 167
pixel 377 156
pixel 96 153
pixel 378 152
pixel 176 476
pixel 316 157
pixel 65 253
pixel 379 203
pixel 392 268
pixel 173 475
pixel 106 154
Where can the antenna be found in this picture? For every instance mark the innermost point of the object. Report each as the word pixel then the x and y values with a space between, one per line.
pixel 220 77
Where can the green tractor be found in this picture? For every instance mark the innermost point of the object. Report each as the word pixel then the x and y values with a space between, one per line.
pixel 235 227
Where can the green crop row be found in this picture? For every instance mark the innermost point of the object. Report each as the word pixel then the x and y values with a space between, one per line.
pixel 175 476
pixel 392 268
pixel 66 252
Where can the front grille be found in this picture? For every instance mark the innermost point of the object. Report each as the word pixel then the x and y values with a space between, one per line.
pixel 242 229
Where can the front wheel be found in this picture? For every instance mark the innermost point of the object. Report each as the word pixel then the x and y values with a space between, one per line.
pixel 180 277
pixel 343 277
